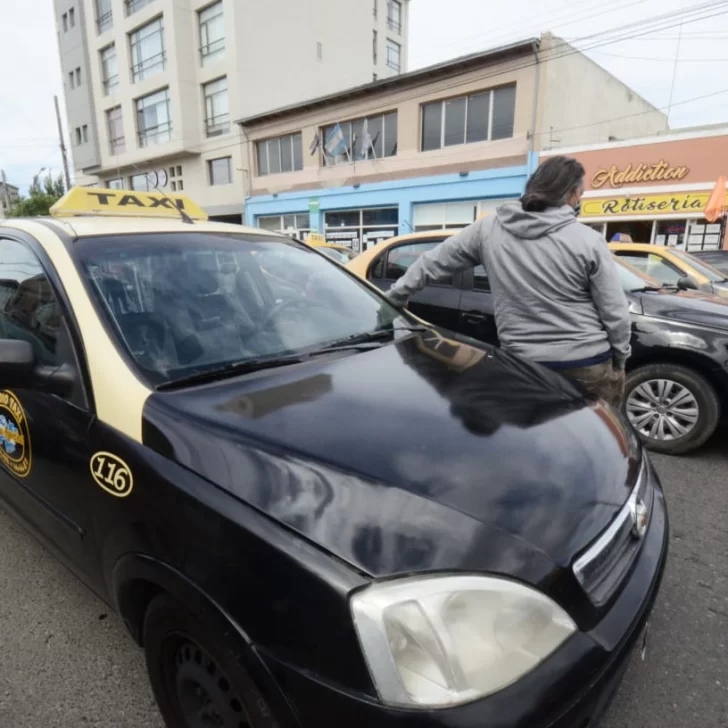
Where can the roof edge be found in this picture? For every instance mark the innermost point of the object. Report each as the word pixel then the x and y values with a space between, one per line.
pixel 396 82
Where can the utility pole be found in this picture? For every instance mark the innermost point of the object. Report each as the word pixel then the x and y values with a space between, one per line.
pixel 63 145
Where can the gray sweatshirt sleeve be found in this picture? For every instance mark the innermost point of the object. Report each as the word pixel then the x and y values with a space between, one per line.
pixel 450 257
pixel 611 303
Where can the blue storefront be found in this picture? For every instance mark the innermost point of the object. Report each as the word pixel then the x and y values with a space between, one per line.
pixel 361 215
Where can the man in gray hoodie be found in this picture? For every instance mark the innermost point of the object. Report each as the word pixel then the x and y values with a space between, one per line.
pixel 557 294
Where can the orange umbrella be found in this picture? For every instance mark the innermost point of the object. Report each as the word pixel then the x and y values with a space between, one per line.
pixel 715 207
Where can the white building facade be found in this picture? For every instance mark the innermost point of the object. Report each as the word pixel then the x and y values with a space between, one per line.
pixel 152 87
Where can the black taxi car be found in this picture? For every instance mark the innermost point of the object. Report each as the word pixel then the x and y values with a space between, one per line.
pixel 309 509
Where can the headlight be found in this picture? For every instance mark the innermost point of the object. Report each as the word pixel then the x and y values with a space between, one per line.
pixel 444 640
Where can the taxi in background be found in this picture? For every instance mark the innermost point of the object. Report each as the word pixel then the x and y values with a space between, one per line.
pixel 673 267
pixel 340 253
pixel 309 509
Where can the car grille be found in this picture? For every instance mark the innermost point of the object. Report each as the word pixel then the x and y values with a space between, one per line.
pixel 603 566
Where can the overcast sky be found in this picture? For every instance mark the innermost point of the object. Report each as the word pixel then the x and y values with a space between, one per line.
pixel 439 29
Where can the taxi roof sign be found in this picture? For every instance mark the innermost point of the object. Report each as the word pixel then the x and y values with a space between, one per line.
pixel 125 203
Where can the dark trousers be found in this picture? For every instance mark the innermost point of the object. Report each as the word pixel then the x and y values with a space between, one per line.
pixel 602 381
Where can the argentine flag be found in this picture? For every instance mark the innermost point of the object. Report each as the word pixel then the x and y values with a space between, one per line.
pixel 335 142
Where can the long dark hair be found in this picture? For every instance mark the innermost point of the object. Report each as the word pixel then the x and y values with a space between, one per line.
pixel 552 183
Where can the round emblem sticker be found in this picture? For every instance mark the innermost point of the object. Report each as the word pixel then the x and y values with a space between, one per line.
pixel 15 453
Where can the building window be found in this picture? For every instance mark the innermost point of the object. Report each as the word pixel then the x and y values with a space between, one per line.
pixel 371 137
pixel 319 51
pixel 294 225
pixel 64 18
pixel 220 171
pixel 139 183
pixel 147 50
pixel 175 178
pixel 394 55
pixel 78 135
pixel 84 133
pixel 115 184
pixel 78 77
pixel 154 125
pixel 217 110
pixel 115 125
pixel 360 229
pixel 72 79
pixel 104 16
pixel 131 6
pixel 212 33
pixel 282 154
pixel 72 18
pixel 109 69
pixel 394 16
pixel 481 117
pixel 374 47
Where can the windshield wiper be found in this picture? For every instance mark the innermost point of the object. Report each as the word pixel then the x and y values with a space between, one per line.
pixel 646 289
pixel 233 369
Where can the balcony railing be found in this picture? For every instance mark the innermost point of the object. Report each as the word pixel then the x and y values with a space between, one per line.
pixel 117 145
pixel 104 22
pixel 218 125
pixel 111 84
pixel 141 70
pixel 394 25
pixel 212 49
pixel 155 134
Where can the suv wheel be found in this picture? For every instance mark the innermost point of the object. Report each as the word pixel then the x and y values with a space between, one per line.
pixel 674 409
pixel 196 675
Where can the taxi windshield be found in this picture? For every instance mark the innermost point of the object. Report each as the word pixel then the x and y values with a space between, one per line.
pixel 713 275
pixel 186 304
pixel 633 279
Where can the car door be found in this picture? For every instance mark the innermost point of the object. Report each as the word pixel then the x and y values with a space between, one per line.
pixel 477 314
pixel 438 303
pixel 44 450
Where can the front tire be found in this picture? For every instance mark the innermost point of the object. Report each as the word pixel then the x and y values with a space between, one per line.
pixel 196 675
pixel 674 409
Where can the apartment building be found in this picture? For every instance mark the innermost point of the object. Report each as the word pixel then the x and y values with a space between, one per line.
pixel 9 195
pixel 433 148
pixel 152 86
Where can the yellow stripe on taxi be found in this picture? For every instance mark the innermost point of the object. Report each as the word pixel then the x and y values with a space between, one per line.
pixel 125 203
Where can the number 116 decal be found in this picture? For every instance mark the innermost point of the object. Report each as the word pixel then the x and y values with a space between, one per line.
pixel 112 474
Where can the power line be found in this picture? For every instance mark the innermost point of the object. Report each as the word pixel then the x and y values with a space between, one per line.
pixel 549 17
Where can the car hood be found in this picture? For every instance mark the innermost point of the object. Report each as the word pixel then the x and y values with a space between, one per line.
pixel 692 307
pixel 423 454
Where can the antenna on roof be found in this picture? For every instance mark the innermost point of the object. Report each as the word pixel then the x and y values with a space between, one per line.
pixel 185 217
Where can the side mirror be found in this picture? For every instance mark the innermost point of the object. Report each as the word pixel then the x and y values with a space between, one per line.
pixel 19 370
pixel 687 284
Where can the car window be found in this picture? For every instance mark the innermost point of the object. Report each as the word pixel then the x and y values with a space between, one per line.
pixel 29 311
pixel 177 310
pixel 480 279
pixel 29 308
pixel 654 266
pixel 702 267
pixel 394 264
pixel 340 256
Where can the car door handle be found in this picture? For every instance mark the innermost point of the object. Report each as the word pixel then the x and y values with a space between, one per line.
pixel 474 317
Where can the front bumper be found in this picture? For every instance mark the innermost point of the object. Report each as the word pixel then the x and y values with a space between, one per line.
pixel 571 689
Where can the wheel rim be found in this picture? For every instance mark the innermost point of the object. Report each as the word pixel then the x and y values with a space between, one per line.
pixel 662 409
pixel 205 696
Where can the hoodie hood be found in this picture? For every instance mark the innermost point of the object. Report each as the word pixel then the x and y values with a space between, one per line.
pixel 532 225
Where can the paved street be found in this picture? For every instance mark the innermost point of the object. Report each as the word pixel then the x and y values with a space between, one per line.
pixel 67 662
